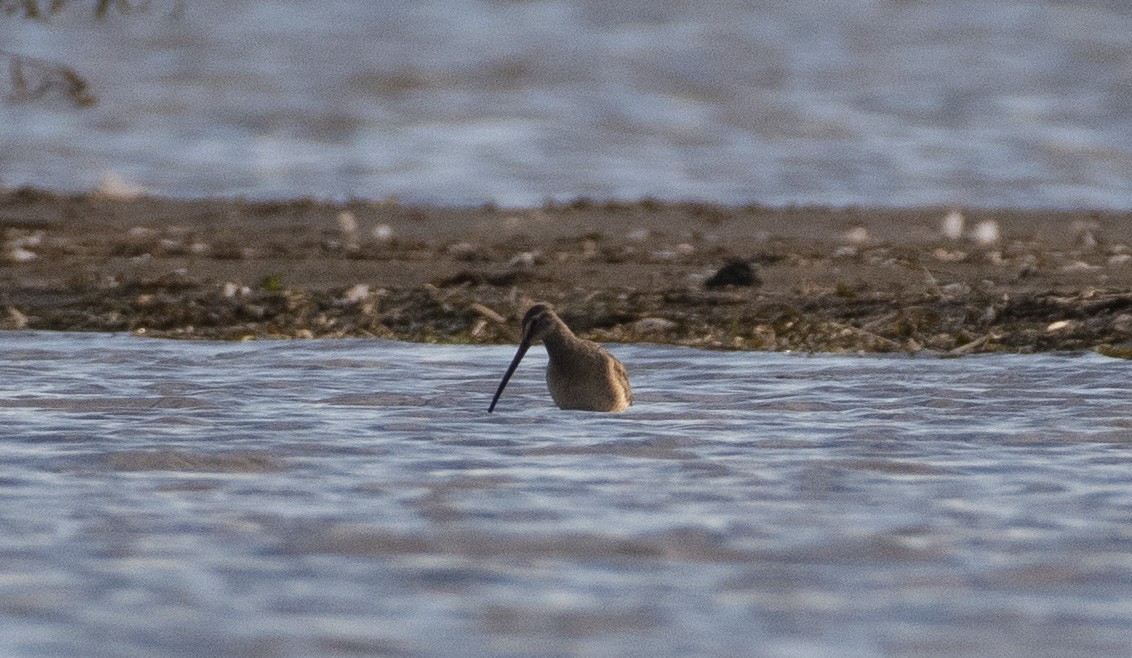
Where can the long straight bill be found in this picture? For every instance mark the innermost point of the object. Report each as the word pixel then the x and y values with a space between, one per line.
pixel 523 347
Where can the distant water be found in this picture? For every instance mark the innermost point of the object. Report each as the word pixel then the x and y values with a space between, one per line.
pixel 353 497
pixel 893 102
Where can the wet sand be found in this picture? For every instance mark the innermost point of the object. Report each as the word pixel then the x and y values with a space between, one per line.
pixel 820 279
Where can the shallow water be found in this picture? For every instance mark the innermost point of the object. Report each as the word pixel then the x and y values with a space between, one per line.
pixel 872 102
pixel 345 497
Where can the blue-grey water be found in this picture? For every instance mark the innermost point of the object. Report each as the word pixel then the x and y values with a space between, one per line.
pixel 352 497
pixel 876 102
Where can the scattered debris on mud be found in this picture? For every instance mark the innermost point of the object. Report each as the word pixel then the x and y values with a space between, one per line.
pixel 752 278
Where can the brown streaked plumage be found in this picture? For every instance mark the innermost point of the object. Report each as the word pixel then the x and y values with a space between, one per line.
pixel 581 374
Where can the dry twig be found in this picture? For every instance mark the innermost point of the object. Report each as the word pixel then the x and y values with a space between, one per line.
pixel 30 78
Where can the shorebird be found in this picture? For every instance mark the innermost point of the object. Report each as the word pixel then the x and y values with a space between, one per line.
pixel 581 374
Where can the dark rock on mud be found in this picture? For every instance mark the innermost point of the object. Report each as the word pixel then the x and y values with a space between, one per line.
pixel 734 273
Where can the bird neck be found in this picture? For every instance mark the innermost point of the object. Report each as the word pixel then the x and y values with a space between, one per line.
pixel 559 338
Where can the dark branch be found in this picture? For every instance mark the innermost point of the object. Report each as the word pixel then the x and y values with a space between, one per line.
pixel 31 78
pixel 41 9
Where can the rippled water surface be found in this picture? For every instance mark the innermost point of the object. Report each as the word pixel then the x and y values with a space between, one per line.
pixel 345 497
pixel 875 102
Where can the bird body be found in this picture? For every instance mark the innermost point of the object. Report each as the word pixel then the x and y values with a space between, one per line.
pixel 581 374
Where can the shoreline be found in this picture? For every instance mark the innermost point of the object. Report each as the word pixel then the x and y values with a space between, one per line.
pixel 822 279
